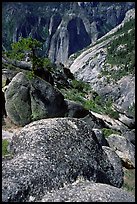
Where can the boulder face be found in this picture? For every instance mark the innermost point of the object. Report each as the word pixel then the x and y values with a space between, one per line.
pixel 88 192
pixel 64 28
pixel 124 149
pixel 50 153
pixel 75 110
pixel 31 99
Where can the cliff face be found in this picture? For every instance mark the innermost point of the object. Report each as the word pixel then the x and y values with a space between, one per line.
pixel 109 64
pixel 64 28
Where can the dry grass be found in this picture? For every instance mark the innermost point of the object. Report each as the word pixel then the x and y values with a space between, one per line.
pixel 129 180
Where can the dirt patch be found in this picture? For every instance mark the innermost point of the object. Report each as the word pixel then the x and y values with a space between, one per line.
pixel 9 126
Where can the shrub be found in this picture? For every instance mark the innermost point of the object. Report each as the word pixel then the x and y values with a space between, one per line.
pixel 5 144
pixel 80 85
pixel 30 75
pixel 74 95
pixel 107 132
pixel 47 64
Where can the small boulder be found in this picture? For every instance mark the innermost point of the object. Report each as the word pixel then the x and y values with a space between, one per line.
pixel 128 121
pixel 124 149
pixel 44 74
pixel 7 76
pixel 7 135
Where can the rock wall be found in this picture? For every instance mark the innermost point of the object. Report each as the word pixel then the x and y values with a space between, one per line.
pixel 64 28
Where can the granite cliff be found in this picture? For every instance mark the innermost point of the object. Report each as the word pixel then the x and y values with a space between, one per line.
pixel 63 27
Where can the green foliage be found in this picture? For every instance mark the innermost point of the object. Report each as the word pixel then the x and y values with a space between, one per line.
pixel 122 51
pixel 96 104
pixel 80 85
pixel 113 114
pixel 5 144
pixel 30 75
pixel 109 111
pixel 107 132
pixel 20 48
pixel 74 95
pixel 48 64
pixel 24 46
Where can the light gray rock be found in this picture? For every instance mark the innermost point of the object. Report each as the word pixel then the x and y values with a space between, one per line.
pixel 3 105
pixel 7 135
pixel 129 122
pixel 88 192
pixel 130 135
pixel 7 75
pixel 50 153
pixel 89 64
pixel 110 122
pixel 124 149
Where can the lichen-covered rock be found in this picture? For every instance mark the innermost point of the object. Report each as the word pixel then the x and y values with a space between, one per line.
pixel 18 100
pixel 51 152
pixel 88 192
pixel 124 149
pixel 30 99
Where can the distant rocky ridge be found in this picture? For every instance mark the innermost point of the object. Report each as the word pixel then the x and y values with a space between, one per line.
pixel 63 27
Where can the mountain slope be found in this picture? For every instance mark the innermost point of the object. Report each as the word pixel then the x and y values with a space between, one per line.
pixel 108 65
